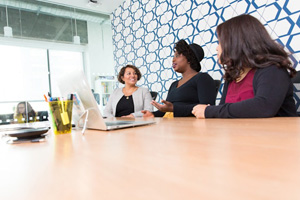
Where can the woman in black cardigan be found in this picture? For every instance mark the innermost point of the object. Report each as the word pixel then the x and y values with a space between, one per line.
pixel 193 88
pixel 257 73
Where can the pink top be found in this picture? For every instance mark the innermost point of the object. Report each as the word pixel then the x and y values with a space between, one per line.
pixel 242 90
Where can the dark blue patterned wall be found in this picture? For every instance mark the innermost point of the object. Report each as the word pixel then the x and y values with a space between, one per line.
pixel 144 33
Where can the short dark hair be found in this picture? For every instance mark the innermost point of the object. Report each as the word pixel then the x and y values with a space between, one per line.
pixel 122 72
pixel 245 42
pixel 189 52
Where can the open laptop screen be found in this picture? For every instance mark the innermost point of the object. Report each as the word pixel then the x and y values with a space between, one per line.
pixel 76 82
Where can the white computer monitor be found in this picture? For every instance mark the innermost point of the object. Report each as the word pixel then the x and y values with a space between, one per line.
pixel 76 82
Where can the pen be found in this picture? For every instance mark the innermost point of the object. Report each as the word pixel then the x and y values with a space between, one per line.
pixel 70 97
pixel 45 98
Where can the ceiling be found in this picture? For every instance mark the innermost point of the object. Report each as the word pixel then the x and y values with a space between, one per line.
pixel 78 9
pixel 103 6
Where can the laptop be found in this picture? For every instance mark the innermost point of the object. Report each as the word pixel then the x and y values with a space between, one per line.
pixel 76 83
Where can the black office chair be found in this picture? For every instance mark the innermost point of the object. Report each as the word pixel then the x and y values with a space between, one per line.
pixel 6 119
pixel 217 84
pixel 42 116
pixel 153 95
pixel 296 79
pixel 296 82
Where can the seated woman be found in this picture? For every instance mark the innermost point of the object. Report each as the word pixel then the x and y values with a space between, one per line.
pixel 193 88
pixel 130 100
pixel 24 113
pixel 257 73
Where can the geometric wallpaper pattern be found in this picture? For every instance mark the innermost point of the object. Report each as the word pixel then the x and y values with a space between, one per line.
pixel 144 33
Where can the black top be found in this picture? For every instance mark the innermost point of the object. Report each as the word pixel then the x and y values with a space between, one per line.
pixel 273 96
pixel 125 106
pixel 200 89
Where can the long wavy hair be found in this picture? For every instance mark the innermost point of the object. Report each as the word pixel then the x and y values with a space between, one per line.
pixel 183 48
pixel 28 110
pixel 246 43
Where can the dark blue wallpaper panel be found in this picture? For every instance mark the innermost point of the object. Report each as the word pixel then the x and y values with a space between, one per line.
pixel 144 33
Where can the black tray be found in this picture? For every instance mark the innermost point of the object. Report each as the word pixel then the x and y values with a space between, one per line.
pixel 26 132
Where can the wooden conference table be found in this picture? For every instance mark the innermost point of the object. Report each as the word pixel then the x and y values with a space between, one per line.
pixel 181 158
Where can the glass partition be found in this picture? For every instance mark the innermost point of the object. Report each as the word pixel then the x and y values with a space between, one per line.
pixel 42 47
pixel 23 112
pixel 26 73
pixel 25 81
pixel 62 63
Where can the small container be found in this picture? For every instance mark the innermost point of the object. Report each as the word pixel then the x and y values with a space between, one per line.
pixel 61 115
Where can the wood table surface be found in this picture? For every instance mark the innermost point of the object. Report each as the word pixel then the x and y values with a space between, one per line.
pixel 181 158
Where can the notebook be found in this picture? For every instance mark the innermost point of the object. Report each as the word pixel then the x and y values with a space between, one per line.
pixel 85 104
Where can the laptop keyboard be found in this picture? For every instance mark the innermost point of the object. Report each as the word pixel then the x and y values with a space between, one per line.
pixel 115 123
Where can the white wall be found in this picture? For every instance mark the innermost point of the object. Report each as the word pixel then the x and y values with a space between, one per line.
pixel 99 55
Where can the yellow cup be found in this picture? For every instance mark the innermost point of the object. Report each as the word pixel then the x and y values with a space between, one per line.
pixel 61 115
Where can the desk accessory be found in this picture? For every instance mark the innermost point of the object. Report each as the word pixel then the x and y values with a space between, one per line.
pixel 61 115
pixel 26 134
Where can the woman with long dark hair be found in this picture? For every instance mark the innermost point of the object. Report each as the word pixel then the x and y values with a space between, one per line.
pixel 24 113
pixel 257 73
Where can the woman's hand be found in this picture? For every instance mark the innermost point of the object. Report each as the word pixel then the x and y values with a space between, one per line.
pixel 128 116
pixel 199 111
pixel 165 107
pixel 147 113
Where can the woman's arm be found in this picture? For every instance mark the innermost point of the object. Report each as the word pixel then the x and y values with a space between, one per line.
pixel 108 111
pixel 270 88
pixel 145 101
pixel 206 92
pixel 161 113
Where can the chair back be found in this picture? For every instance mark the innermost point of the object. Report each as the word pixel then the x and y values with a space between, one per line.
pixel 42 116
pixel 153 95
pixel 296 82
pixel 296 79
pixel 6 119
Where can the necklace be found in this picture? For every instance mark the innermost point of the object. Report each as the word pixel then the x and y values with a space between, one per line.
pixel 127 94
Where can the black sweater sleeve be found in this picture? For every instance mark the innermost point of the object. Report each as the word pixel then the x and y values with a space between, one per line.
pixel 159 113
pixel 206 92
pixel 198 90
pixel 270 86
